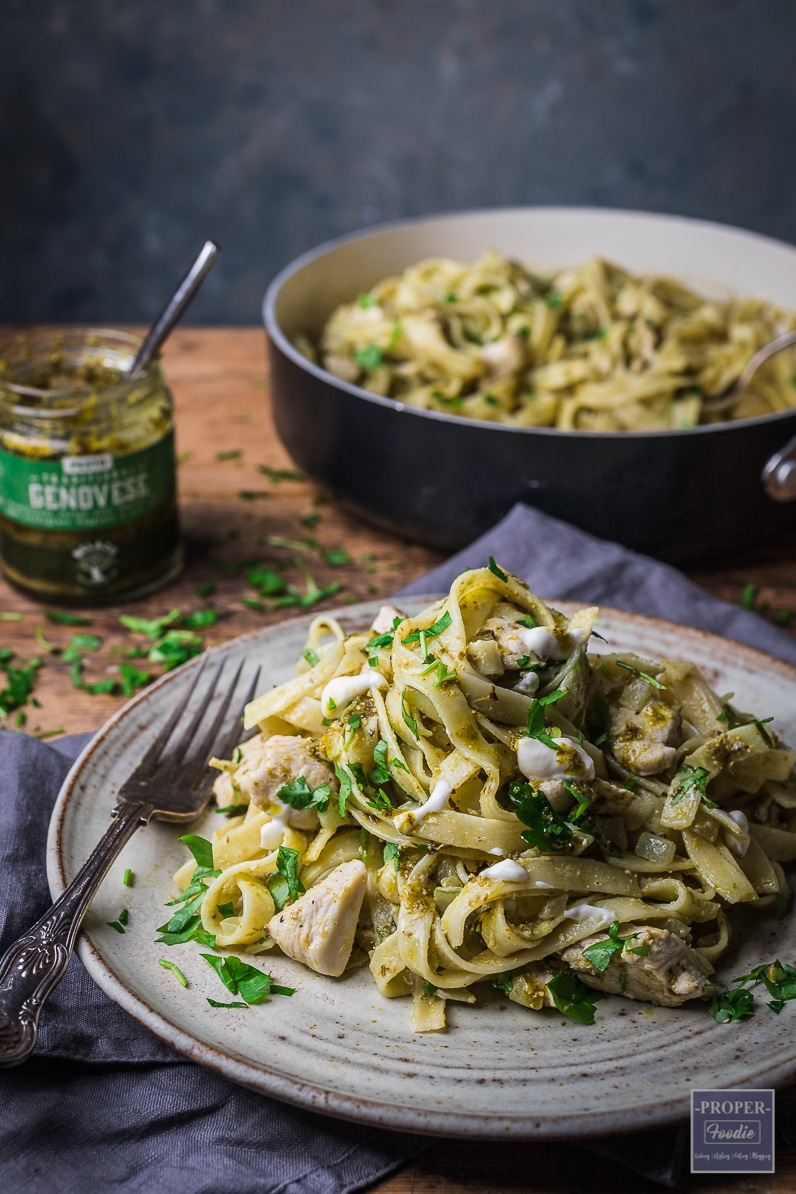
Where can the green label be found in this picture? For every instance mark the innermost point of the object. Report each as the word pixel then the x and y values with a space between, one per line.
pixel 85 493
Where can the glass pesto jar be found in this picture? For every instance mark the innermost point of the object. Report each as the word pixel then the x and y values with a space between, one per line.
pixel 88 506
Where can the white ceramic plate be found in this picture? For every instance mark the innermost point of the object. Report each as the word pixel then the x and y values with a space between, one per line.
pixel 337 1047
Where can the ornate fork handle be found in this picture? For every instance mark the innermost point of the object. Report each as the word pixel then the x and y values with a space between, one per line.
pixel 35 963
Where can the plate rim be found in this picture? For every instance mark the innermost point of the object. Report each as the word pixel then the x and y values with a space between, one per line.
pixel 295 1090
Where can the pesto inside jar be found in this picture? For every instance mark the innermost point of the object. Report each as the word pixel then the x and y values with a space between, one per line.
pixel 88 508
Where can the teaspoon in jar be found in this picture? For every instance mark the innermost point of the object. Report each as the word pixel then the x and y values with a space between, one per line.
pixel 173 310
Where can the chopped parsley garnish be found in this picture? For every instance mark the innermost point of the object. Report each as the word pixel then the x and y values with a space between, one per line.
pixel 19 682
pixel 287 865
pixel 737 1003
pixel 73 654
pixel 65 619
pixel 336 556
pixel 441 624
pixel 690 779
pixel 132 679
pixel 120 922
pixel 202 851
pixel 601 952
pixel 759 723
pixel 251 984
pixel 310 656
pixel 128 878
pixel 311 596
pixel 748 596
pixel 410 721
pixel 175 970
pixel 493 567
pixel 379 776
pixel 186 923
pixel 345 792
pixel 369 357
pixel 383 640
pixel 536 717
pixel 644 675
pixel 582 800
pixel 529 622
pixel 546 830
pixel 392 854
pixel 175 647
pixel 573 998
pixel 275 475
pixel 266 580
pixel 298 795
pixel 152 628
pixel 504 982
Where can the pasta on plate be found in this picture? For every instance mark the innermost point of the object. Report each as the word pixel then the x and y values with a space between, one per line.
pixel 473 796
pixel 593 348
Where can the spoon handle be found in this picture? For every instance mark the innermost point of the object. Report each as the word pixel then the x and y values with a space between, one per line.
pixel 762 355
pixel 173 309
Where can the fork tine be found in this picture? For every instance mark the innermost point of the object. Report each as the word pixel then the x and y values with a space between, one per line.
pixel 223 746
pixel 151 758
pixel 200 751
pixel 233 734
pixel 182 747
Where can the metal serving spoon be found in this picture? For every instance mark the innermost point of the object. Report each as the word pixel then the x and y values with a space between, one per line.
pixel 722 402
pixel 173 310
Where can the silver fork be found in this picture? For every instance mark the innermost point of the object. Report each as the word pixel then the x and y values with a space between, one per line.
pixel 171 783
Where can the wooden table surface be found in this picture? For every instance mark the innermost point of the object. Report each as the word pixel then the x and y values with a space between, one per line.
pixel 236 508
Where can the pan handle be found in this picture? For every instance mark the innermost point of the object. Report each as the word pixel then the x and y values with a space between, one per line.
pixel 779 474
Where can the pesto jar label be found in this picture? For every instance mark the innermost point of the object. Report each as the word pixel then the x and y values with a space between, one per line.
pixel 86 493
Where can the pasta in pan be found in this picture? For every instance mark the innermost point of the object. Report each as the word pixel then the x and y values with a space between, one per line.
pixel 594 348
pixel 469 796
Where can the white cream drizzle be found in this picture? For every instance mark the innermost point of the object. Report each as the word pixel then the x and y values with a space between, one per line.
pixel 342 690
pixel 437 801
pixel 538 761
pixel 273 832
pixel 544 644
pixel 587 911
pixel 508 871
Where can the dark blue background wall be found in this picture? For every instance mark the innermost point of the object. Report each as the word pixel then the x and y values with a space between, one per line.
pixel 130 132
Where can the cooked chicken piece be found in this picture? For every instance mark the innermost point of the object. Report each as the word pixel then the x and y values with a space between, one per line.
pixel 319 928
pixel 645 742
pixel 607 799
pixel 515 641
pixel 669 974
pixel 504 356
pixel 270 763
pixel 508 636
pixel 384 619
